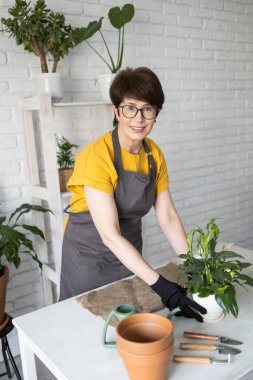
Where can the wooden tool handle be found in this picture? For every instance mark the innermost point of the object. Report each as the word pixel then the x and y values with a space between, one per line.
pixel 191 335
pixel 192 359
pixel 192 346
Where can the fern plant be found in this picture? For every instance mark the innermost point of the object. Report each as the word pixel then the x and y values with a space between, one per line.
pixel 209 271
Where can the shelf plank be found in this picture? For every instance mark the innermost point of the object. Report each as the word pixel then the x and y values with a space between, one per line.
pixel 66 194
pixel 82 104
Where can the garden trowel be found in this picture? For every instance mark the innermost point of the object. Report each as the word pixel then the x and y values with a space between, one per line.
pixel 200 359
pixel 217 338
pixel 210 347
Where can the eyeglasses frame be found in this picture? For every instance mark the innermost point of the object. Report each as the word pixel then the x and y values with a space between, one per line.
pixel 141 111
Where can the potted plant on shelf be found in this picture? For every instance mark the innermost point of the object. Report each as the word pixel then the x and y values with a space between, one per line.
pixel 213 274
pixel 118 19
pixel 14 243
pixel 65 160
pixel 45 34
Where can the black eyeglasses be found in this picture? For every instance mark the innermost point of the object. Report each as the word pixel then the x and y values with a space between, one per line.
pixel 148 112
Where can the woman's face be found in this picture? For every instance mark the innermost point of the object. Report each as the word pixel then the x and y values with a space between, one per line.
pixel 135 128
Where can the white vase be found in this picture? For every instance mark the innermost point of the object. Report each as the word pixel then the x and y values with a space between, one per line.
pixel 214 311
pixel 50 83
pixel 104 82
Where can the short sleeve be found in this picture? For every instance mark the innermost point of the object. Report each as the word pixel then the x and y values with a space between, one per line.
pixel 97 171
pixel 162 178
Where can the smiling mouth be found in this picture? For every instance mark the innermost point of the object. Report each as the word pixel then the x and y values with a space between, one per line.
pixel 138 129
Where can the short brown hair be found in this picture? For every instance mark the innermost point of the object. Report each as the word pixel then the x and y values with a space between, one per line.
pixel 140 84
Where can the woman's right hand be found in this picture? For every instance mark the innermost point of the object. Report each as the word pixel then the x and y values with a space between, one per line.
pixel 174 295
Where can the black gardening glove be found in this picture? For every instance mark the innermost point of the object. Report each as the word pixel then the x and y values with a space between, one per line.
pixel 173 295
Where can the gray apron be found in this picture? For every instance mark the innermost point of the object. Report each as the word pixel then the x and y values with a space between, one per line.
pixel 86 262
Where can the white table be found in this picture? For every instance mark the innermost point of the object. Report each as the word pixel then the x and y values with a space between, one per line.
pixel 67 339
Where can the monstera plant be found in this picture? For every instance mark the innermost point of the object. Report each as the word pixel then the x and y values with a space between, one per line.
pixel 118 19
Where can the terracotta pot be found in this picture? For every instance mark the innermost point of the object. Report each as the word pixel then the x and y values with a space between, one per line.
pixel 145 343
pixel 64 176
pixel 4 279
pixel 214 311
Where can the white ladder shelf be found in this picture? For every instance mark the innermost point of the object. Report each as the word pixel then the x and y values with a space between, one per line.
pixel 39 138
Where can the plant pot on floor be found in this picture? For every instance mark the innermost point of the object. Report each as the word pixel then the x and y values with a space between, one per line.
pixel 64 176
pixel 214 311
pixel 50 83
pixel 4 279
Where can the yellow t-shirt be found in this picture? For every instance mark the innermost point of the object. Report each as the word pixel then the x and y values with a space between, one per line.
pixel 94 167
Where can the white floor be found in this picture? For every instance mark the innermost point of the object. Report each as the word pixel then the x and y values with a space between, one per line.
pixel 43 373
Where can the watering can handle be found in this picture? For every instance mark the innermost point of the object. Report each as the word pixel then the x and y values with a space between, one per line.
pixel 104 342
pixel 173 312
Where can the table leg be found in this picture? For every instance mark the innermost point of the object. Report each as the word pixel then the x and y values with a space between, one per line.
pixel 27 358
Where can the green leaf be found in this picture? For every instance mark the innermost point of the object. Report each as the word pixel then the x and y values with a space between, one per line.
pixel 196 283
pixel 226 255
pixel 204 292
pixel 9 234
pixel 2 219
pixel 183 256
pixel 212 226
pixel 35 230
pixel 218 276
pixel 227 301
pixel 92 28
pixel 118 18
pixel 25 208
pixel 248 280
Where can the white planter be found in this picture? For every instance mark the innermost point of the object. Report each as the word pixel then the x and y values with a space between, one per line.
pixel 104 82
pixel 51 83
pixel 214 311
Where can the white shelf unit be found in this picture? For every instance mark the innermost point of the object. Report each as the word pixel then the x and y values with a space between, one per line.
pixel 43 187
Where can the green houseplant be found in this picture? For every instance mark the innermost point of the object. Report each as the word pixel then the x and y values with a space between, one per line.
pixel 14 243
pixel 45 34
pixel 41 31
pixel 118 19
pixel 65 160
pixel 211 271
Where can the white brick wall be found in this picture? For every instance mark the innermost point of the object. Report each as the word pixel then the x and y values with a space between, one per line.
pixel 202 51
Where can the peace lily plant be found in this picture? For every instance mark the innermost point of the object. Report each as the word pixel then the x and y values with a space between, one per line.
pixel 118 19
pixel 16 243
pixel 14 236
pixel 213 272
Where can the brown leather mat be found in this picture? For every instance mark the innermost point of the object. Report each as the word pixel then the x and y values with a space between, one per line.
pixel 133 291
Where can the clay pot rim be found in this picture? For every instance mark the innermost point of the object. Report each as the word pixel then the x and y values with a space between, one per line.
pixel 149 315
pixel 150 347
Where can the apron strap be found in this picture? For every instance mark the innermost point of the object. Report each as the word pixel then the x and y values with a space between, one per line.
pixel 66 209
pixel 151 160
pixel 117 153
pixel 116 149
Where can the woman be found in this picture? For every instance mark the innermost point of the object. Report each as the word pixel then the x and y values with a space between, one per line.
pixel 116 180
